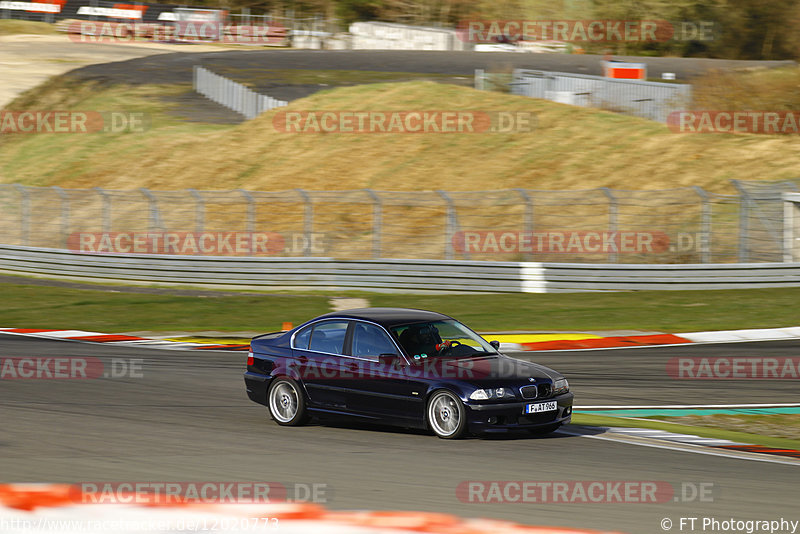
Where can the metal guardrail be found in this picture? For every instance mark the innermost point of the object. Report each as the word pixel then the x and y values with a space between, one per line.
pixel 570 277
pixel 273 273
pixel 390 275
pixel 232 95
pixel 649 100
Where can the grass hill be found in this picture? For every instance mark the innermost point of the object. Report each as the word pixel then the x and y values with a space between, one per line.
pixel 570 147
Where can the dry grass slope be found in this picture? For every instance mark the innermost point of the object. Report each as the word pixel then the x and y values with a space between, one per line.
pixel 572 148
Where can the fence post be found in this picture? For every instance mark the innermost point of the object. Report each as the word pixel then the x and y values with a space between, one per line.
pixel 450 225
pixel 744 222
pixel 106 208
pixel 377 223
pixel 251 210
pixel 24 214
pixel 705 225
pixel 308 222
pixel 527 218
pixel 64 216
pixel 155 219
pixel 613 212
pixel 788 226
pixel 199 210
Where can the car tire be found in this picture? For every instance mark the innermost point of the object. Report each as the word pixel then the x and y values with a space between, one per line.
pixel 544 430
pixel 447 415
pixel 286 403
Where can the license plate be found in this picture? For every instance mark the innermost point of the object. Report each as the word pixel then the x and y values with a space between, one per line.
pixel 540 407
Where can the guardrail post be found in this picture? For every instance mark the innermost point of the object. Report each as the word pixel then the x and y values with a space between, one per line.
pixel 251 210
pixel 613 213
pixel 64 216
pixel 308 221
pixel 479 79
pixel 199 210
pixel 377 223
pixel 106 208
pixel 705 225
pixel 24 215
pixel 450 227
pixel 155 218
pixel 527 218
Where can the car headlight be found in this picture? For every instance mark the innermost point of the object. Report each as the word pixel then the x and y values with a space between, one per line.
pixel 560 386
pixel 492 393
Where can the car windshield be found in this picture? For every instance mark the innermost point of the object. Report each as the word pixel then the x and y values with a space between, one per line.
pixel 440 339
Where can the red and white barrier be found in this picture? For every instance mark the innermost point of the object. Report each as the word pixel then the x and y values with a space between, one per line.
pixel 35 508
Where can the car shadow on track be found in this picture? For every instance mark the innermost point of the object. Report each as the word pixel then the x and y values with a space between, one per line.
pixel 494 436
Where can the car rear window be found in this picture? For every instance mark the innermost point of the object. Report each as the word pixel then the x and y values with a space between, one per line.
pixel 328 337
pixel 302 337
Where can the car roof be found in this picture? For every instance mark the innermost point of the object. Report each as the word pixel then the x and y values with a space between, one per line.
pixel 387 316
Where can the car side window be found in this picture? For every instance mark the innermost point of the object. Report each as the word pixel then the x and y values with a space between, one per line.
pixel 328 337
pixel 302 337
pixel 369 341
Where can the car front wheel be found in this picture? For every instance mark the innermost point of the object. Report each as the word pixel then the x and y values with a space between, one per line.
pixel 287 406
pixel 447 415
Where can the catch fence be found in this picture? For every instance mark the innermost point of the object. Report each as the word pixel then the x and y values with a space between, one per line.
pixel 602 226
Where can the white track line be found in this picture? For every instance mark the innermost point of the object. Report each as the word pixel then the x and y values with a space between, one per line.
pixel 687 447
pixel 685 406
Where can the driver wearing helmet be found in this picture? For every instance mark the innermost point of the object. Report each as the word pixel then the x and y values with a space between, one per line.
pixel 420 339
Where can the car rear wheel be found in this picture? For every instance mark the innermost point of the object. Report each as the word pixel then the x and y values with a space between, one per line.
pixel 287 406
pixel 446 415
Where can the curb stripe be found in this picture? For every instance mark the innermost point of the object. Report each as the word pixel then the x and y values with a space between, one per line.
pixel 108 338
pixel 119 339
pixel 762 450
pixel 607 342
pixel 510 342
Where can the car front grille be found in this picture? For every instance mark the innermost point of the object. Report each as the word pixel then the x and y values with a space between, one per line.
pixel 529 392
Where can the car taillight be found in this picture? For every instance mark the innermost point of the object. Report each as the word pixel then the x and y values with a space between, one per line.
pixel 250 359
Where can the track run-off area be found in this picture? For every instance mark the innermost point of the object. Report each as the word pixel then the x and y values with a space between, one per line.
pixel 184 416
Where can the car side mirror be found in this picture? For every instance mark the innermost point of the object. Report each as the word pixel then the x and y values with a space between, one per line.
pixel 495 344
pixel 388 358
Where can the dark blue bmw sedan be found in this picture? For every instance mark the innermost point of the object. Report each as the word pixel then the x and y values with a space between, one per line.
pixel 410 368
